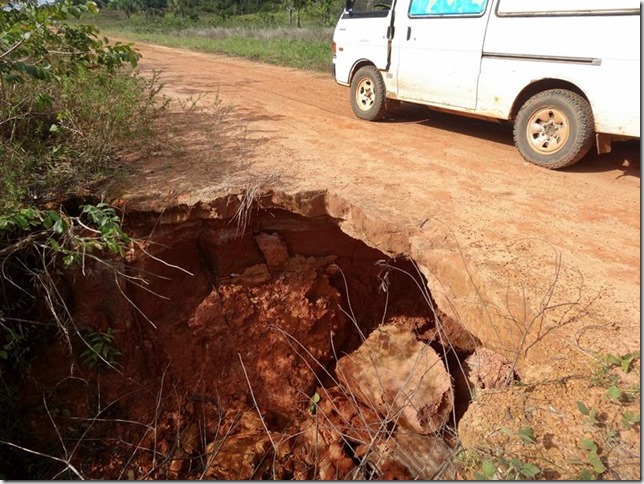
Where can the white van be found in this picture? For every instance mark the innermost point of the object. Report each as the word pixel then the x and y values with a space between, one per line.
pixel 565 72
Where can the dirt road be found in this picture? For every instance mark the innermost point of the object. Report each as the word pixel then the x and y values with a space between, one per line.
pixel 542 266
pixel 491 230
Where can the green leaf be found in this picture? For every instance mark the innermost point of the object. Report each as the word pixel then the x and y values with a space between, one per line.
pixel 587 475
pixel 70 259
pixel 60 226
pixel 32 70
pixel 75 11
pixel 627 360
pixel 614 392
pixel 488 468
pixel 583 409
pixel 31 215
pixel 47 222
pixel 22 222
pixel 44 101
pixel 5 223
pixel 92 7
pixel 530 470
pixel 12 77
pixel 596 462
pixel 589 445
pixel 629 419
pixel 527 435
pixel 315 399
pixel 53 243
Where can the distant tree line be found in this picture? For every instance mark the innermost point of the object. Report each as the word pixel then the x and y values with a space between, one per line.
pixel 227 8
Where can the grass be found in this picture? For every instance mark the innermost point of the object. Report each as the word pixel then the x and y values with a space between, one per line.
pixel 307 48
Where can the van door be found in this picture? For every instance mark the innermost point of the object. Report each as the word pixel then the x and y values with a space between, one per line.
pixel 437 51
pixel 364 32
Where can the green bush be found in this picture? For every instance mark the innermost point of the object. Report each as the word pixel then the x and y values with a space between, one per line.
pixel 62 136
pixel 68 101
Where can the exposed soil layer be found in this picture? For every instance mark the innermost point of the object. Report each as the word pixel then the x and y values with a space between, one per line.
pixel 227 333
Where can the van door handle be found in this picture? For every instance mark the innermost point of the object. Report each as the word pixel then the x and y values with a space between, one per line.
pixel 408 33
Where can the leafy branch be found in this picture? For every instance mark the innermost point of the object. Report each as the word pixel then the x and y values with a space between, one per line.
pixel 37 43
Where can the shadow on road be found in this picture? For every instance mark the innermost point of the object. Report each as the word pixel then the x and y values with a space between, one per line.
pixel 499 132
pixel 625 156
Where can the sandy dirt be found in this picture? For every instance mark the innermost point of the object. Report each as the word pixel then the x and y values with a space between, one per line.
pixel 499 240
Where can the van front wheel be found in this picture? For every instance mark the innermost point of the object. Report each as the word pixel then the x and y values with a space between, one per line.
pixel 554 129
pixel 368 94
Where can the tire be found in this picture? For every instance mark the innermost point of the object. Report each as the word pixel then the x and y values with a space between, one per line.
pixel 368 94
pixel 554 129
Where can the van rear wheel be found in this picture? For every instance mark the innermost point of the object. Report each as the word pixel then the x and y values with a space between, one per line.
pixel 554 129
pixel 368 94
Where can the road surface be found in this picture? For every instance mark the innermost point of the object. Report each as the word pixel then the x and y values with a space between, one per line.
pixel 494 234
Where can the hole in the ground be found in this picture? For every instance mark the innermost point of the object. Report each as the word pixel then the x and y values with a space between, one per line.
pixel 214 324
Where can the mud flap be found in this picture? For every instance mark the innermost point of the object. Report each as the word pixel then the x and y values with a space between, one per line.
pixel 603 142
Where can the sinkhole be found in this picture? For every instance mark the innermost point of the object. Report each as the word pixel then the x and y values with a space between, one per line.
pixel 266 346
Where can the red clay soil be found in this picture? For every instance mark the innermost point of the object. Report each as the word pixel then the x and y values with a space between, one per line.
pixel 227 324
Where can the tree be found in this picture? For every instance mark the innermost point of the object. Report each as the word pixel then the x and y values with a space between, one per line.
pixel 327 9
pixel 128 7
pixel 45 64
pixel 57 138
pixel 296 6
pixel 183 8
pixel 153 8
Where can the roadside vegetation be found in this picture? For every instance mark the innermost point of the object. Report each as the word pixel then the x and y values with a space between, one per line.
pixel 294 34
pixel 69 101
pixel 58 135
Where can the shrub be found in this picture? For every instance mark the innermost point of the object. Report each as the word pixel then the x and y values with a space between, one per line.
pixel 68 101
pixel 57 132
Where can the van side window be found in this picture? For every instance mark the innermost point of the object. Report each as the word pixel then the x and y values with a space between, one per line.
pixel 367 6
pixel 423 8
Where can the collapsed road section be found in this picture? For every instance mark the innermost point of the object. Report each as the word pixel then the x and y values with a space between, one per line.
pixel 261 344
